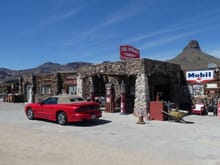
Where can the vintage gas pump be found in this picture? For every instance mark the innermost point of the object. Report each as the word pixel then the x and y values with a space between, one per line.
pixel 110 98
pixel 218 110
pixel 92 92
pixel 123 99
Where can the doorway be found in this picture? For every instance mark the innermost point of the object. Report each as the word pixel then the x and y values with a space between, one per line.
pixel 159 84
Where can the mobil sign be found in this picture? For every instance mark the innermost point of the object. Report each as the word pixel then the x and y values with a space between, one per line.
pixel 128 52
pixel 200 76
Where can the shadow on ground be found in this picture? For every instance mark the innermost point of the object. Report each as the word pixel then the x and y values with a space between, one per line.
pixel 91 123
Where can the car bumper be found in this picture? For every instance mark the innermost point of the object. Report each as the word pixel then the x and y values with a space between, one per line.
pixel 77 117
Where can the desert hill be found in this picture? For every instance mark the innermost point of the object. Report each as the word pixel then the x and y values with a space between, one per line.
pixel 192 57
pixel 49 67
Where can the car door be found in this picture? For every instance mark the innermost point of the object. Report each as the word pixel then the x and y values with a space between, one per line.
pixel 48 106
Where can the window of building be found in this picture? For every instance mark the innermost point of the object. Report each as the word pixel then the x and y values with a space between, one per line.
pixel 46 89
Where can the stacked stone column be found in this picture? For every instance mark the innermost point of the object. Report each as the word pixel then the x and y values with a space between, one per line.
pixel 79 82
pixel 141 95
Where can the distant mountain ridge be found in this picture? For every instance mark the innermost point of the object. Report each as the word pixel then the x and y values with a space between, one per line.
pixel 48 67
pixel 193 58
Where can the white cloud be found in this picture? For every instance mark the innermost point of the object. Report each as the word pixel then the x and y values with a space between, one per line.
pixel 168 39
pixel 52 19
pixel 120 15
pixel 153 34
pixel 215 53
pixel 60 17
pixel 126 12
pixel 189 24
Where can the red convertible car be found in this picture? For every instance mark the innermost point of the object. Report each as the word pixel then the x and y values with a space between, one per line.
pixel 63 109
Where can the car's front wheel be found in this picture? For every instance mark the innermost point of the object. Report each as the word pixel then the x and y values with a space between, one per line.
pixel 61 118
pixel 30 114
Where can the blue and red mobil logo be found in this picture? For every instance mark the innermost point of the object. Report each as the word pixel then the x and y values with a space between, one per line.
pixel 199 76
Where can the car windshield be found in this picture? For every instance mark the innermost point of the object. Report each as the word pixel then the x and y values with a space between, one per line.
pixel 51 100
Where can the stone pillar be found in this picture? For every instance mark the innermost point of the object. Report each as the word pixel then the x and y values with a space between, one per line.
pixel 79 88
pixel 123 99
pixel 20 87
pixel 141 95
pixel 92 92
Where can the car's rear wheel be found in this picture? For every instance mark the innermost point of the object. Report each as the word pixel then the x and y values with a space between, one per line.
pixel 30 114
pixel 61 118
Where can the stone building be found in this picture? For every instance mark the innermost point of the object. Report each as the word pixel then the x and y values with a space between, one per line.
pixel 37 87
pixel 143 79
pixel 9 91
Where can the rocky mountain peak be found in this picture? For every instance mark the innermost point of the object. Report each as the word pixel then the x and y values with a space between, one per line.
pixel 192 45
pixel 193 58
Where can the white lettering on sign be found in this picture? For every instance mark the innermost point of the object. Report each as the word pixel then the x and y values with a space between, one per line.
pixel 200 76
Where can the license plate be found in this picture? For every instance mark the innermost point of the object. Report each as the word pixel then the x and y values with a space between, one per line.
pixel 93 117
pixel 210 113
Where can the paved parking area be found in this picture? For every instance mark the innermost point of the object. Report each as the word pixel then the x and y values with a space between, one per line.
pixel 114 139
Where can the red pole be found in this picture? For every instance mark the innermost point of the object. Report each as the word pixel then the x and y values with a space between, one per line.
pixel 123 99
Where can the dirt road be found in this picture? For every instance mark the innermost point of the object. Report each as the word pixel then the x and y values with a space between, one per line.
pixel 115 139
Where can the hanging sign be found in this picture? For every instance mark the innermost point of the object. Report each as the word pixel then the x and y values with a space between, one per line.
pixel 128 52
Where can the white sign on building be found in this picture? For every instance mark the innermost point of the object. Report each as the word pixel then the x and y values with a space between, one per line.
pixel 200 76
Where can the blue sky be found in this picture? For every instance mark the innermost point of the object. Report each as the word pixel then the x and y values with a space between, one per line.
pixel 33 32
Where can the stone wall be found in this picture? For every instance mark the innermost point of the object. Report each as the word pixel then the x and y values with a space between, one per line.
pixel 137 74
pixel 45 85
pixel 129 67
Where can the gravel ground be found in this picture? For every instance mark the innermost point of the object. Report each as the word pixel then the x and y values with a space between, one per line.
pixel 114 139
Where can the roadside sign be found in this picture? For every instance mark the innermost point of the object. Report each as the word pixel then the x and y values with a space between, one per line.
pixel 128 52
